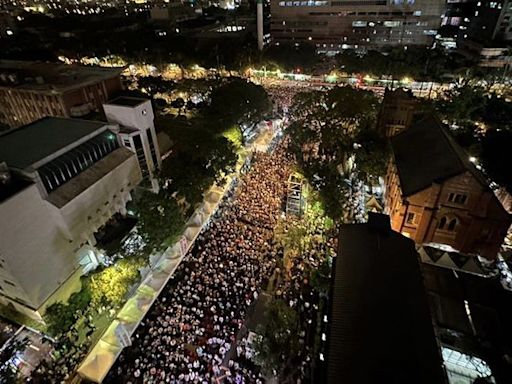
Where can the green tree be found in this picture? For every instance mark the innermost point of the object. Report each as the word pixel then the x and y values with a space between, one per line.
pixel 278 340
pixel 332 131
pixel 238 102
pixel 159 218
pixel 110 286
pixel 464 103
pixel 60 316
pixel 201 158
pixel 321 277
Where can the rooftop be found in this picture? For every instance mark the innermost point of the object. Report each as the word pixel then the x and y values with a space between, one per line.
pixel 426 153
pixel 127 101
pixel 381 329
pixel 25 146
pixel 78 184
pixel 51 77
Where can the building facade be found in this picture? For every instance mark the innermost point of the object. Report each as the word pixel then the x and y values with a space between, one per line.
pixel 32 90
pixel 397 111
pixel 482 30
pixel 134 116
pixel 62 180
pixel 434 194
pixel 333 25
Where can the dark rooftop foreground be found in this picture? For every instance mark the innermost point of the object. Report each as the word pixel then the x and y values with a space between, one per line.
pixel 380 327
pixel 24 146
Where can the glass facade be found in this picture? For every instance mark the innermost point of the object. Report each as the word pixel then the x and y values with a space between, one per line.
pixel 66 166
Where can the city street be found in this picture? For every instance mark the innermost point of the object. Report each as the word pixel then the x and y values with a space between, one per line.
pixel 193 324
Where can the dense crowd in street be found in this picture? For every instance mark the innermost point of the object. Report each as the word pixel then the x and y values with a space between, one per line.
pixel 188 334
pixel 282 95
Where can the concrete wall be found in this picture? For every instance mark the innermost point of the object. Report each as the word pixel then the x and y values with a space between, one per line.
pixel 40 243
pixel 140 116
pixel 92 208
pixel 35 246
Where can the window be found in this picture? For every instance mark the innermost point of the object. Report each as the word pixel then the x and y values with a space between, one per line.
pixel 410 218
pixel 392 23
pixel 447 224
pixel 457 198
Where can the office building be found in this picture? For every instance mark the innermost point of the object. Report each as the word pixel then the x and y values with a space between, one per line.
pixel 61 181
pixel 380 327
pixel 482 30
pixel 32 90
pixel 434 194
pixel 333 25
pixel 134 116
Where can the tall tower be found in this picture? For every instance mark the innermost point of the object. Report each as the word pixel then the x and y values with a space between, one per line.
pixel 137 132
pixel 259 23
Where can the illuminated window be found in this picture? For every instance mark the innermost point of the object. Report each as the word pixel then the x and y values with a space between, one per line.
pixel 392 23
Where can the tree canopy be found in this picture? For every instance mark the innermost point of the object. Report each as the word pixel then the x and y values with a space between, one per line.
pixel 335 139
pixel 416 62
pixel 278 336
pixel 237 102
pixel 159 218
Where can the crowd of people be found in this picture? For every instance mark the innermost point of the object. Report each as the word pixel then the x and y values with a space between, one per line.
pixel 282 94
pixel 305 296
pixel 190 333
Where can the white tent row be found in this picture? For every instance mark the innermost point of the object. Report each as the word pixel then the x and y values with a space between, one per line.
pixel 104 354
pixel 445 260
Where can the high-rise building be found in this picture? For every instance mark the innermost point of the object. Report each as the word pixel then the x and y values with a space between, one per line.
pixel 333 25
pixel 434 194
pixel 32 90
pixel 482 30
pixel 61 180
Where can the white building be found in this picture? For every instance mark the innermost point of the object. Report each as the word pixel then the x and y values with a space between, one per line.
pixel 137 131
pixel 60 181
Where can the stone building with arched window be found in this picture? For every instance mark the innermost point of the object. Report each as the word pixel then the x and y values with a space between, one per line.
pixel 434 194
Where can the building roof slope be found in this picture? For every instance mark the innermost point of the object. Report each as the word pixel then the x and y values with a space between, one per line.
pixel 84 180
pixel 426 153
pixel 24 146
pixel 51 77
pixel 381 329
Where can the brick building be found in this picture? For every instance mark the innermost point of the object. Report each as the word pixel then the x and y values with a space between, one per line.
pixel 32 90
pixel 397 111
pixel 434 194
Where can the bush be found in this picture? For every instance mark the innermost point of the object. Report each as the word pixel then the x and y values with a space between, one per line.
pixel 110 286
pixel 60 316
